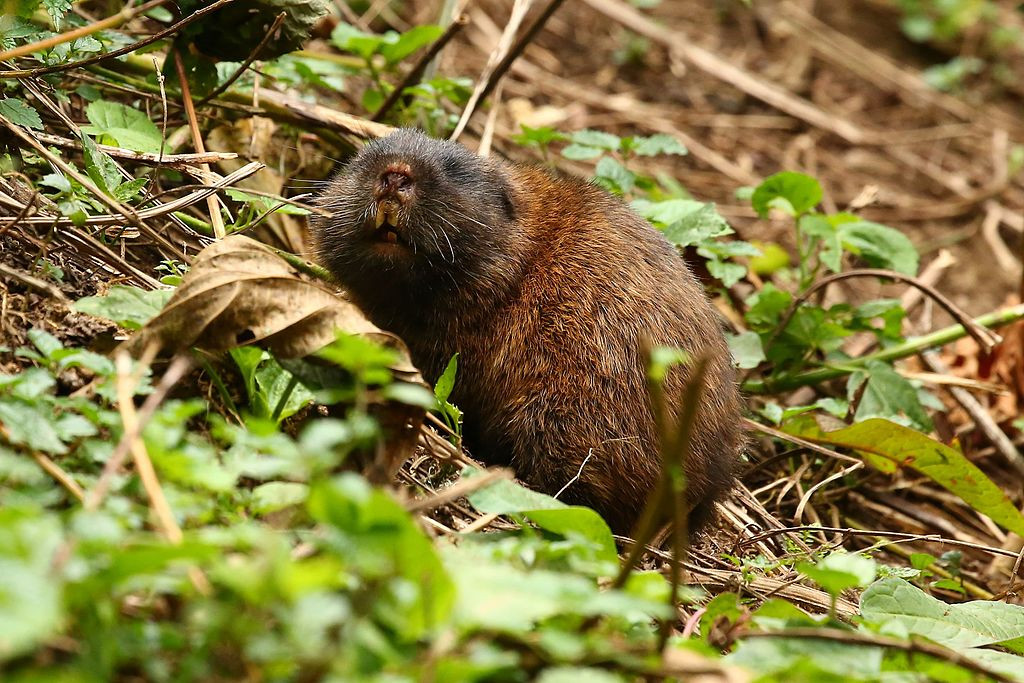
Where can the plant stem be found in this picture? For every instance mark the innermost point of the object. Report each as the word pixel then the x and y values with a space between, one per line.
pixel 910 347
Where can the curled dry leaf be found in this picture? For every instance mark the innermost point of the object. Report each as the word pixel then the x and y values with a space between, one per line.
pixel 240 292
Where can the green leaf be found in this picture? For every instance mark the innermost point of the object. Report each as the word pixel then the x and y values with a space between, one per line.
pixel 126 191
pixel 57 9
pixel 840 571
pixel 19 113
pixel 887 395
pixel 57 181
pixel 31 425
pixel 658 144
pixel 794 193
pixel 30 593
pixel 880 246
pixel 129 128
pixel 614 176
pixel 581 152
pixel 127 306
pixel 99 166
pixel 830 250
pixel 596 138
pixel 277 495
pixel 505 497
pixel 746 349
pixel 958 626
pixel 348 38
pixel 446 382
pixel 888 446
pixel 409 42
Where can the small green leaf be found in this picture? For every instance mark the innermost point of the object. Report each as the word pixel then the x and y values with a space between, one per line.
pixel 409 42
pixel 840 571
pixel 129 128
pixel 129 307
pixel 19 113
pixel 746 349
pixel 658 144
pixel 614 176
pixel 596 138
pixel 99 166
pixel 799 194
pixel 581 152
pixel 126 191
pixel 446 382
pixel 880 246
pixel 888 395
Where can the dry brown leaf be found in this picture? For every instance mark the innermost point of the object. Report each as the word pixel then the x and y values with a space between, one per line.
pixel 239 292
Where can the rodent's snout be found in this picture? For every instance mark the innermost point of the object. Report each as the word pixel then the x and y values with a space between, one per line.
pixel 395 182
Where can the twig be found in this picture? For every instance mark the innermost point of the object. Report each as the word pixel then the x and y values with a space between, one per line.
pixel 62 477
pixel 910 347
pixel 112 21
pixel 462 487
pixel 519 10
pixel 176 161
pixel 159 35
pixel 897 536
pixel 418 69
pixel 985 338
pixel 531 32
pixel 143 465
pixel 248 60
pixel 867 639
pixel 197 141
pixel 175 371
pixel 32 282
pixel 809 445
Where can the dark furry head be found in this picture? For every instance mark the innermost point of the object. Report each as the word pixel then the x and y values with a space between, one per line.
pixel 414 222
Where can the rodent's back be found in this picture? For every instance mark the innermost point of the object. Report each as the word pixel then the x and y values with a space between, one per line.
pixel 551 290
pixel 601 284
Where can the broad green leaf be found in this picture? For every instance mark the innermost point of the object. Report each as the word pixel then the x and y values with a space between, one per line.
pixel 578 674
pixel 614 176
pixel 126 191
pixel 129 128
pixel 31 425
pixel 581 152
pixel 958 626
pixel 505 497
pixel 99 166
pixel 888 446
pixel 771 259
pixel 276 495
pixel 799 194
pixel 19 113
pixel 596 138
pixel 658 144
pixel 880 246
pixel 446 382
pixel 746 349
pixel 127 306
pixel 840 571
pixel 30 595
pixel 888 395
pixel 409 42
pixel 830 248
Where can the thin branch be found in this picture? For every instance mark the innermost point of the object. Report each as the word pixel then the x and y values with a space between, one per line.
pixel 416 73
pixel 912 346
pixel 176 161
pixel 986 339
pixel 112 21
pixel 174 28
pixel 197 141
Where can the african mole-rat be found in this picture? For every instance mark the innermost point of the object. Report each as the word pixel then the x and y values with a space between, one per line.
pixel 548 288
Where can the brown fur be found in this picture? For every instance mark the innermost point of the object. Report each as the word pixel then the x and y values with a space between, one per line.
pixel 551 288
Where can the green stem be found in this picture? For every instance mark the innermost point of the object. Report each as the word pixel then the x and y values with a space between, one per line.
pixel 279 408
pixel 305 266
pixel 908 348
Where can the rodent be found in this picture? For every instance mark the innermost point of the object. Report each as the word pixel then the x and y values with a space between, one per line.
pixel 547 287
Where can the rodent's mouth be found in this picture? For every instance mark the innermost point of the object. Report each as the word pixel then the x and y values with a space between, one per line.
pixel 386 230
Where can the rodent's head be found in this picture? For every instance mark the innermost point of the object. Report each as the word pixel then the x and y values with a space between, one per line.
pixel 410 215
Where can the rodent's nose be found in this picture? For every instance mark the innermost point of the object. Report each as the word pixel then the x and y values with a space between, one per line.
pixel 393 181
